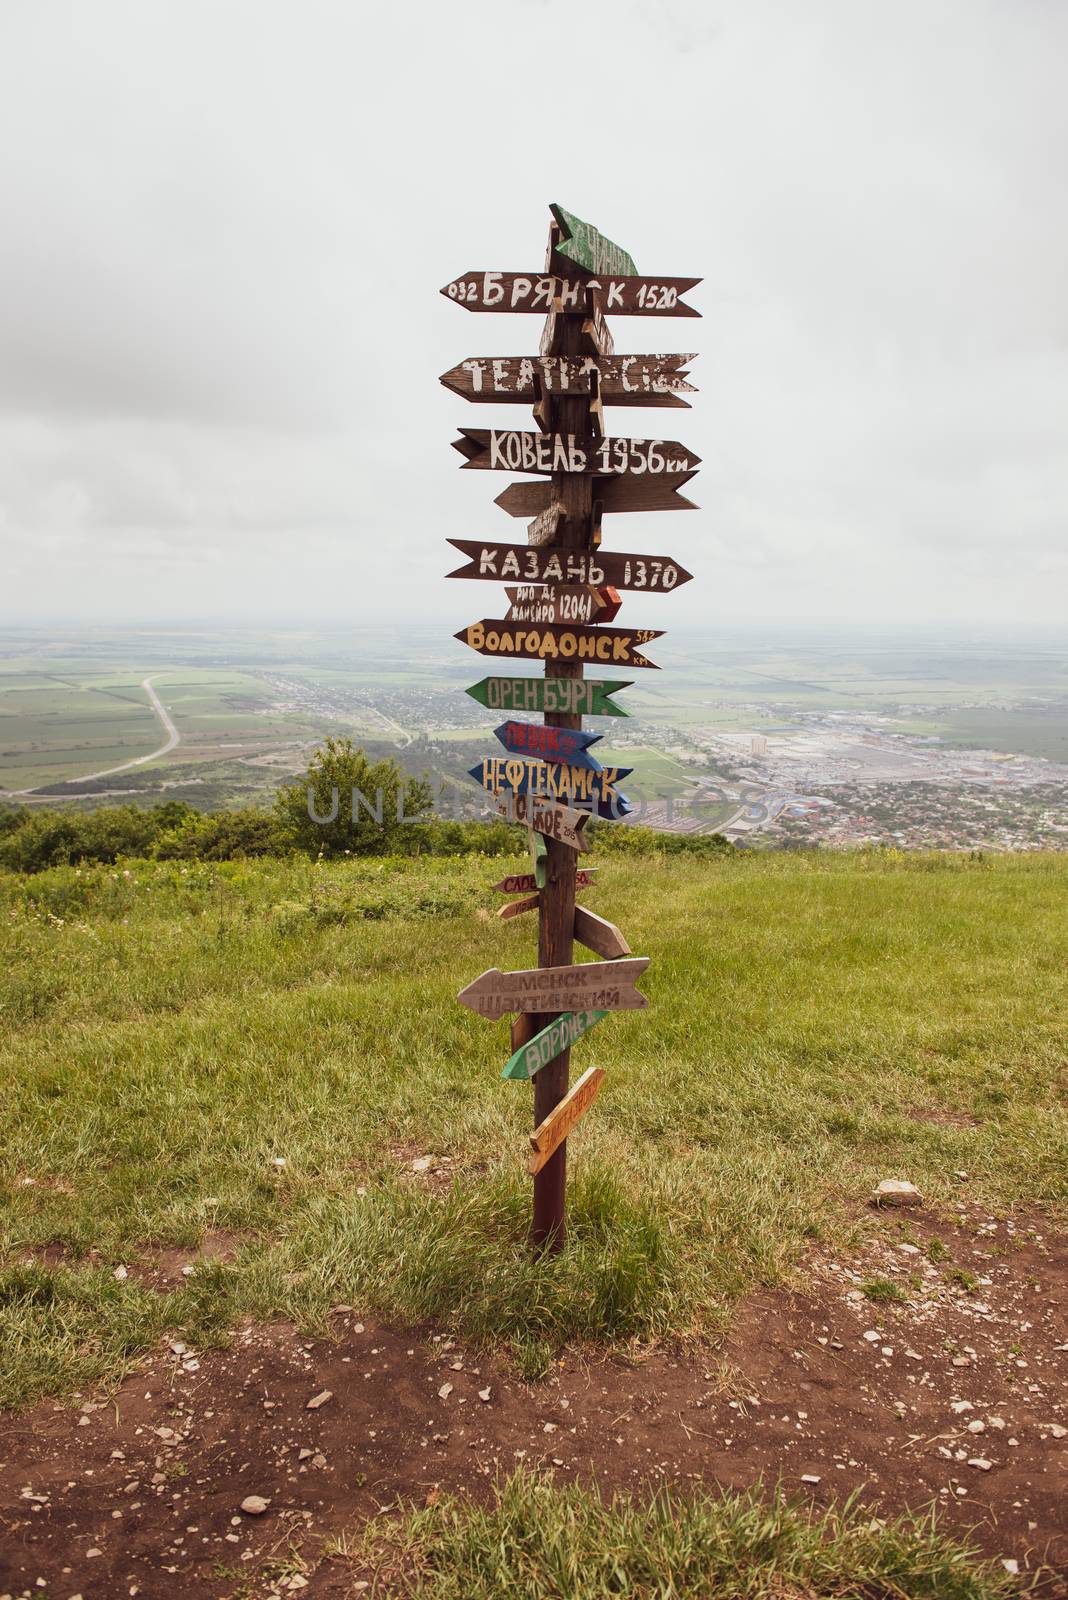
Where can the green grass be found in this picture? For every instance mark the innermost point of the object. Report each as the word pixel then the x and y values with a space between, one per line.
pixel 171 1031
pixel 539 1542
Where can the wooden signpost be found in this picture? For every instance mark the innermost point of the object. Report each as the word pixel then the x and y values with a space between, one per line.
pixel 552 821
pixel 591 986
pixel 512 450
pixel 599 935
pixel 551 744
pixel 625 294
pixel 569 591
pixel 625 492
pixel 545 1046
pixel 509 563
pixel 619 380
pixel 555 602
pixel 570 697
pixel 526 883
pixel 590 788
pixel 587 247
pixel 554 1128
pixel 554 641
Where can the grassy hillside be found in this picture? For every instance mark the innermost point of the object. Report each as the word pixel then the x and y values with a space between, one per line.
pixel 253 1054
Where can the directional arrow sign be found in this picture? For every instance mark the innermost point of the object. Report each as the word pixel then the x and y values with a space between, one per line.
pixel 547 1045
pixel 621 294
pixel 572 697
pixel 561 823
pixel 526 882
pixel 628 492
pixel 550 744
pixel 531 602
pixel 515 908
pixel 599 935
pixel 511 563
pixel 552 1132
pixel 621 380
pixel 512 450
pixel 543 529
pixel 581 243
pixel 584 787
pixel 555 641
pixel 592 986
pixel 554 1129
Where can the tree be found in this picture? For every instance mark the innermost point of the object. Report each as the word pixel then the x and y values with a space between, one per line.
pixel 346 803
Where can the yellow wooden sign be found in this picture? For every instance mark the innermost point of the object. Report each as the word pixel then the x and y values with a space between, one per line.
pixel 552 1132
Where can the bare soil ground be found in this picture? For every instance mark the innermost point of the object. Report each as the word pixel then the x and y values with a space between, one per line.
pixel 956 1394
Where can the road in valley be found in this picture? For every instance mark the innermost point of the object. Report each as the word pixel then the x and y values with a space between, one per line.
pixel 173 739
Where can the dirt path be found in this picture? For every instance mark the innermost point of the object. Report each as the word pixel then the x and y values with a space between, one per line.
pixel 959 1396
pixel 173 738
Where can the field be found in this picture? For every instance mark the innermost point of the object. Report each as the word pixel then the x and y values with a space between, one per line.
pixel 249 705
pixel 241 1069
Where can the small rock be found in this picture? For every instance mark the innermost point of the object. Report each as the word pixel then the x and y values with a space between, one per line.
pixel 549 1427
pixel 1057 1431
pixel 120 1273
pixel 896 1192
pixel 980 1462
pixel 809 1477
pixel 1011 1565
pixel 484 1394
pixel 977 1427
pixel 445 1391
pixel 962 1361
pixel 305 1454
pixel 872 1337
pixel 254 1505
pixel 423 1163
pixel 318 1400
pixel 961 1405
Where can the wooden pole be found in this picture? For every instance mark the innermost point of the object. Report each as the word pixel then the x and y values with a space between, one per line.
pixel 556 917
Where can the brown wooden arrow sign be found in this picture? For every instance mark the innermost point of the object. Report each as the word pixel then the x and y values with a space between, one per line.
pixel 622 296
pixel 624 493
pixel 620 380
pixel 526 883
pixel 532 602
pixel 547 817
pixel 512 450
pixel 515 908
pixel 556 641
pixel 517 563
pixel 591 986
pixel 599 935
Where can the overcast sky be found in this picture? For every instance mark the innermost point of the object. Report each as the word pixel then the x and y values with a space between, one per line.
pixel 224 225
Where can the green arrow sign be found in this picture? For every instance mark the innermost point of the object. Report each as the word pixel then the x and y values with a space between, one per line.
pixel 577 697
pixel 547 1045
pixel 582 244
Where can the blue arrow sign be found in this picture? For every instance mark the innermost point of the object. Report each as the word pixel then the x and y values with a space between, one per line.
pixel 565 745
pixel 583 788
